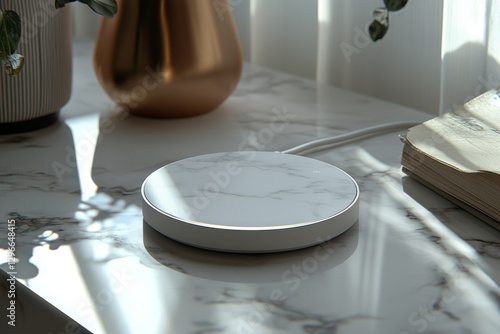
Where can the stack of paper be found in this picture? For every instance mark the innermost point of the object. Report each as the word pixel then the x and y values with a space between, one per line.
pixel 458 156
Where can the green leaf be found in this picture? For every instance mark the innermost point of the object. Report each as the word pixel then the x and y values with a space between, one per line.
pixel 13 64
pixel 10 32
pixel 395 5
pixel 62 3
pixel 107 8
pixel 377 30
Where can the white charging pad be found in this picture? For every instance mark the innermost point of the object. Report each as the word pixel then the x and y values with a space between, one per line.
pixel 250 202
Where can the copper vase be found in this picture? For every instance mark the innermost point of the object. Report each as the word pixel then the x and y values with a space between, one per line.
pixel 169 58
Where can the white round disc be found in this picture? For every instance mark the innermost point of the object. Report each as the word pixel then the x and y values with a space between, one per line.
pixel 250 202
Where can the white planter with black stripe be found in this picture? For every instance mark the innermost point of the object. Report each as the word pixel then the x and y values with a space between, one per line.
pixel 32 99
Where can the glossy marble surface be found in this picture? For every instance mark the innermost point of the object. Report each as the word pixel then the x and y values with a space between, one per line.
pixel 414 263
pixel 250 189
pixel 250 202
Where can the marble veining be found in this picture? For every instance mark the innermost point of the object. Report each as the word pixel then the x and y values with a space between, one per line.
pixel 251 189
pixel 414 262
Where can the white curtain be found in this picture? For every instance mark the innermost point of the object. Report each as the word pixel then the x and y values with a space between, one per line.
pixel 437 54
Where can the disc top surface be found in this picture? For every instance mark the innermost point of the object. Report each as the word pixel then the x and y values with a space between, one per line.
pixel 235 192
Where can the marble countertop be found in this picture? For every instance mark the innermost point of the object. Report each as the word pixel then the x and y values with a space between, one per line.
pixel 413 263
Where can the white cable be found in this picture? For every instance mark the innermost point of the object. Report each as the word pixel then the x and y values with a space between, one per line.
pixel 345 138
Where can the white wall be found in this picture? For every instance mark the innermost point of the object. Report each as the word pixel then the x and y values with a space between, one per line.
pixel 470 50
pixel 85 22
pixel 403 67
pixel 284 35
pixel 327 40
pixel 437 53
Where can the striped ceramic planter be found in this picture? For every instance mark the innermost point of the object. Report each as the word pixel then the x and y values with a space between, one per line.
pixel 32 99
